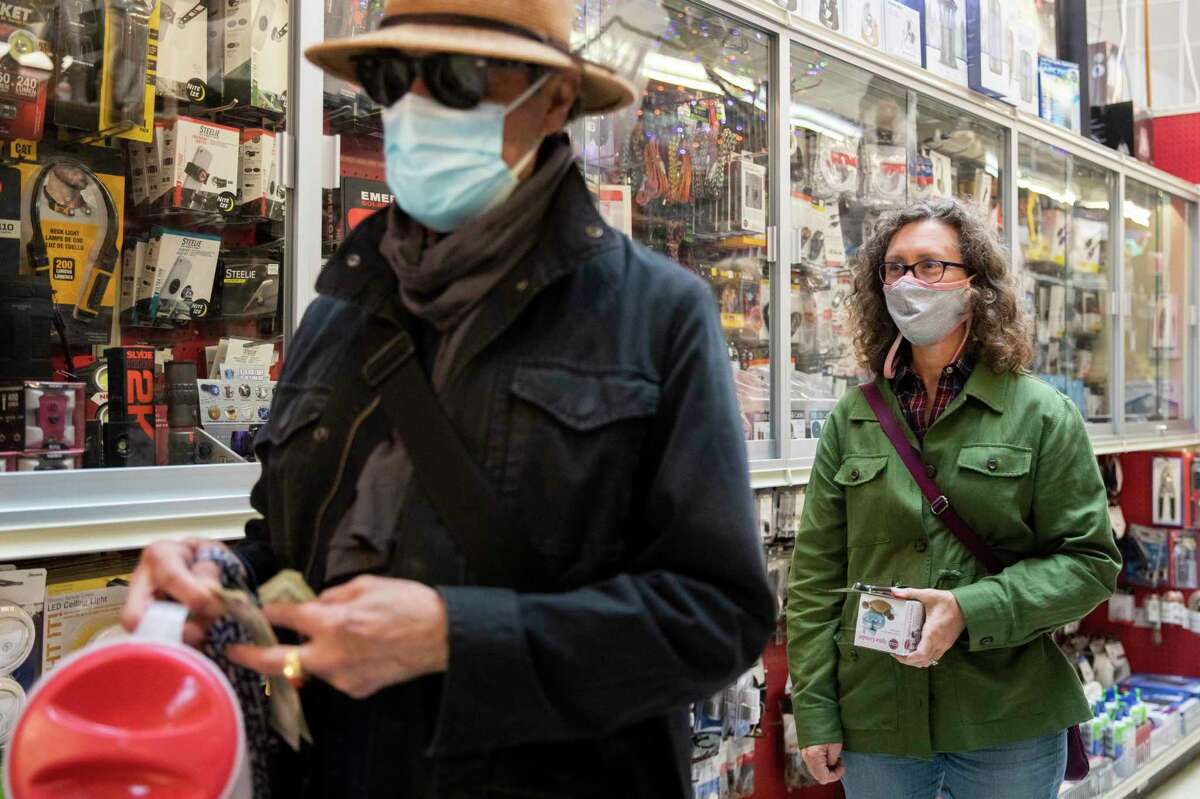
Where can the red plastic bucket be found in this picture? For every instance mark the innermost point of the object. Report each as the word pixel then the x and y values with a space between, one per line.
pixel 143 716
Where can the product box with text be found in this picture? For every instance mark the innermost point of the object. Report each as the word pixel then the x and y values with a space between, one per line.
pixel 904 30
pixel 887 624
pixel 205 157
pixel 183 50
pixel 259 192
pixel 26 64
pixel 79 612
pixel 946 39
pixel 988 47
pixel 185 270
pixel 256 53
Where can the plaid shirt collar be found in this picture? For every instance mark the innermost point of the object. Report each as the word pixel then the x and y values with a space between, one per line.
pixel 910 391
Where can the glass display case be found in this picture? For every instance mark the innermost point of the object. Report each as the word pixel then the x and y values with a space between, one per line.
pixel 1159 246
pixel 862 145
pixel 1064 217
pixel 688 169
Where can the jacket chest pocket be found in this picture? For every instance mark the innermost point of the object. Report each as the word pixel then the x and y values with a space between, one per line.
pixel 291 443
pixel 863 479
pixel 997 475
pixel 573 450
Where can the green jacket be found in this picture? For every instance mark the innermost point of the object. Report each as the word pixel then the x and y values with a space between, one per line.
pixel 1013 456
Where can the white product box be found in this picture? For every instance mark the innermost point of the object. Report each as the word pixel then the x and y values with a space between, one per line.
pixel 830 14
pixel 988 37
pixel 79 612
pixel 183 50
pixel 160 161
pixel 888 624
pixel 864 22
pixel 1024 67
pixel 256 52
pixel 902 32
pixel 259 193
pixel 186 269
pixel 145 300
pixel 946 39
pixel 138 188
pixel 205 157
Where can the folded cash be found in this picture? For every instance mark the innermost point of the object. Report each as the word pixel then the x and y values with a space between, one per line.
pixel 288 586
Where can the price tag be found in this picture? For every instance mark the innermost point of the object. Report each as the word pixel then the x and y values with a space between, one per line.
pixel 1121 608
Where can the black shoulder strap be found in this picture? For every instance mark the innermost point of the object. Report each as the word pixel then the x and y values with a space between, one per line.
pixel 496 554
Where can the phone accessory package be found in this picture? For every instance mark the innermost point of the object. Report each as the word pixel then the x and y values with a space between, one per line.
pixel 886 623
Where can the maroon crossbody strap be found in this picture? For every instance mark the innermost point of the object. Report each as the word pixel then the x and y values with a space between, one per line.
pixel 1078 765
pixel 938 503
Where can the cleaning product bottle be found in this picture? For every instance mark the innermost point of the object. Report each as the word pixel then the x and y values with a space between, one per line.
pixel 1141 712
pixel 1108 735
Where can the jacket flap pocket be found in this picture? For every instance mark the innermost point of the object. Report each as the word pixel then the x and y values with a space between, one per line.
pixel 859 469
pixel 294 408
pixel 586 401
pixel 996 460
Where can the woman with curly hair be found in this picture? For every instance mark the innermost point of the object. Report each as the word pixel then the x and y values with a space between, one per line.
pixel 982 706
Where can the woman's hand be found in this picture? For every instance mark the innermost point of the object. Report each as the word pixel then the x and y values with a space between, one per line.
pixel 824 762
pixel 168 569
pixel 944 623
pixel 362 636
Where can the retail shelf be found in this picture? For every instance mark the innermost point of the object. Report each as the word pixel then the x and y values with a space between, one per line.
pixel 1149 774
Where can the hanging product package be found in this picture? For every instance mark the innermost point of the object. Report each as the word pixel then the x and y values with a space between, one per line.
pixel 183 50
pixel 107 62
pixel 22 604
pixel 26 64
pixel 835 166
pixel 256 53
pixel 72 219
pixel 247 287
pixel 885 171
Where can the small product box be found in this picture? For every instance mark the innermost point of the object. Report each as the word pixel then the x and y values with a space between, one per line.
pixel 129 434
pixel 988 39
pixel 1026 37
pixel 829 14
pixel 183 50
pixel 259 193
pixel 886 623
pixel 1059 93
pixel 249 287
pixel 25 68
pixel 256 53
pixel 904 30
pixel 41 416
pixel 66 460
pixel 184 274
pixel 946 39
pixel 864 22
pixel 205 156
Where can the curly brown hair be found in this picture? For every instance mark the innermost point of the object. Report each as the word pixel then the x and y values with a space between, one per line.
pixel 1001 331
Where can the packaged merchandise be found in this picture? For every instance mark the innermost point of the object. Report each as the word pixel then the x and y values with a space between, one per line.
pixel 216 48
pixel 10 221
pixel 749 184
pixel 829 14
pixel 248 287
pixel 130 433
pixel 1185 559
pixel 109 49
pixel 1024 65
pixel 160 160
pixel 1104 75
pixel 1147 556
pixel 26 65
pixel 59 461
pixel 920 178
pixel 79 612
pixel 1089 242
pixel 205 159
pixel 133 260
pixel 943 174
pixel 22 609
pixel 864 22
pixel 904 30
pixel 138 187
pixel 185 270
pixel 230 401
pixel 183 50
pixel 946 39
pixel 259 192
pixel 243 359
pixel 41 416
pixel 256 52
pixel 885 174
pixel 828 245
pixel 361 199
pixel 72 224
pixel 886 623
pixel 988 37
pixel 834 165
pixel 1058 83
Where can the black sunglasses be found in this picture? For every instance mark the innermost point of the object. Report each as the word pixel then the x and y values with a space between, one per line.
pixel 455 80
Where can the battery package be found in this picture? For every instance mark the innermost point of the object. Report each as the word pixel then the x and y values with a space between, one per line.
pixel 256 53
pixel 26 64
pixel 259 193
pixel 185 268
pixel 72 224
pixel 988 50
pixel 183 50
pixel 248 287
pixel 886 623
pixel 129 436
pixel 205 159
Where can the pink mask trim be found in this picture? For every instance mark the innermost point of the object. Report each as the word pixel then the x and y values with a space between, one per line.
pixel 955 286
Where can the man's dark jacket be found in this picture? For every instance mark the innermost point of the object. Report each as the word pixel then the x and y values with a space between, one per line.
pixel 594 388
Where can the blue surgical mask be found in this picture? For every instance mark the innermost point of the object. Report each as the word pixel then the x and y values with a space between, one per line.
pixel 446 166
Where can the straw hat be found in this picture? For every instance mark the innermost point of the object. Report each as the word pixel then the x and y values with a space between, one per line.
pixel 534 31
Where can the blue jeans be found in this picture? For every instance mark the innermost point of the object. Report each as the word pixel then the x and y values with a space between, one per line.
pixel 1030 769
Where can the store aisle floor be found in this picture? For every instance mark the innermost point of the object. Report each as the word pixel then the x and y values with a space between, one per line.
pixel 1184 785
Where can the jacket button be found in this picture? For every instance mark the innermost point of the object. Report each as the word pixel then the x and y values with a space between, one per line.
pixel 594 231
pixel 855 474
pixel 353 260
pixel 320 434
pixel 921 545
pixel 930 471
pixel 993 464
pixel 987 640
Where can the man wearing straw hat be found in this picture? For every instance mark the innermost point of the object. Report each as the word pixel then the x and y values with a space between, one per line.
pixel 551 650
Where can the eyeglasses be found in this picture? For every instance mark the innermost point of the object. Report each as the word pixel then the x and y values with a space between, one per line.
pixel 929 271
pixel 455 80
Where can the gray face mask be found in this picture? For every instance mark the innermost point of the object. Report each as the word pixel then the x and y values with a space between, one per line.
pixel 927 313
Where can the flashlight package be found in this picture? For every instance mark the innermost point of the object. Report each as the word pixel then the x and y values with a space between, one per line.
pixel 41 416
pixel 177 277
pixel 204 156
pixel 256 53
pixel 259 192
pixel 26 64
pixel 183 50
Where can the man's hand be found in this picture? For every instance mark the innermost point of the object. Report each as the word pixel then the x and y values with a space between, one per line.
pixel 824 762
pixel 362 636
pixel 168 569
pixel 944 623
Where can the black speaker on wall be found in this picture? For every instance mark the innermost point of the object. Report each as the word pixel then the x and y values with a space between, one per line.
pixel 1071 23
